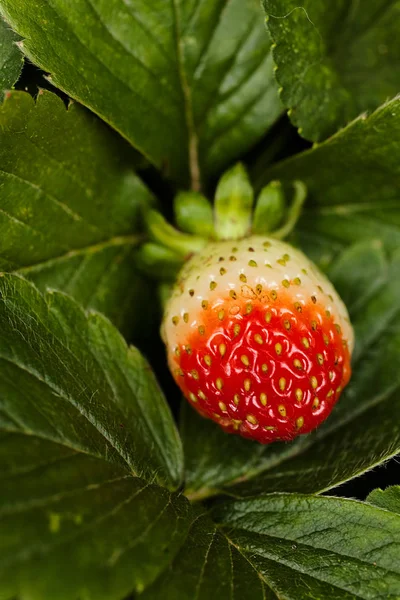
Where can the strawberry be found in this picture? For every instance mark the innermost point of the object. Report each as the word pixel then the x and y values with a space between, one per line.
pixel 257 338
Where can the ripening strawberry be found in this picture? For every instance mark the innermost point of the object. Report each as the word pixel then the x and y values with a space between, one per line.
pixel 257 338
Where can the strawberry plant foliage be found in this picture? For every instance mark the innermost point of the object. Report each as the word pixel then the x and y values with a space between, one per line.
pixel 79 385
pixel 204 96
pixel 334 59
pixel 287 546
pixel 118 532
pixel 388 499
pixel 11 60
pixel 57 225
pixel 101 496
pixel 344 204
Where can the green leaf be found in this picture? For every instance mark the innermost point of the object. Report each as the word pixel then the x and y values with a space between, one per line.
pixel 363 429
pixel 359 272
pixel 334 59
pixel 74 526
pixel 70 204
pixel 286 546
pixel 352 182
pixel 216 462
pixel 305 547
pixel 69 378
pixel 188 83
pixel 102 277
pixel 208 567
pixel 11 59
pixel 388 499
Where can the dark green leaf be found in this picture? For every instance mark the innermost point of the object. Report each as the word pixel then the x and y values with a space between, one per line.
pixel 286 546
pixel 214 459
pixel 306 547
pixel 208 567
pixel 359 272
pixel 73 526
pixel 388 499
pixel 69 204
pixel 363 429
pixel 69 378
pixel 102 277
pixel 188 82
pixel 11 59
pixel 352 180
pixel 334 59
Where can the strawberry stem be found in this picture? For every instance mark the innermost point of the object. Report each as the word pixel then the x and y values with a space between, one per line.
pixel 161 232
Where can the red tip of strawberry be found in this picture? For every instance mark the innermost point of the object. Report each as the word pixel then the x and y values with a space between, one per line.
pixel 258 340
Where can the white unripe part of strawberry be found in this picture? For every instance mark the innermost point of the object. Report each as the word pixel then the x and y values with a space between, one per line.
pixel 240 266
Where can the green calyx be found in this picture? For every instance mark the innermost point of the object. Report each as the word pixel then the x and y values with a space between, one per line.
pixel 231 217
pixel 233 205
